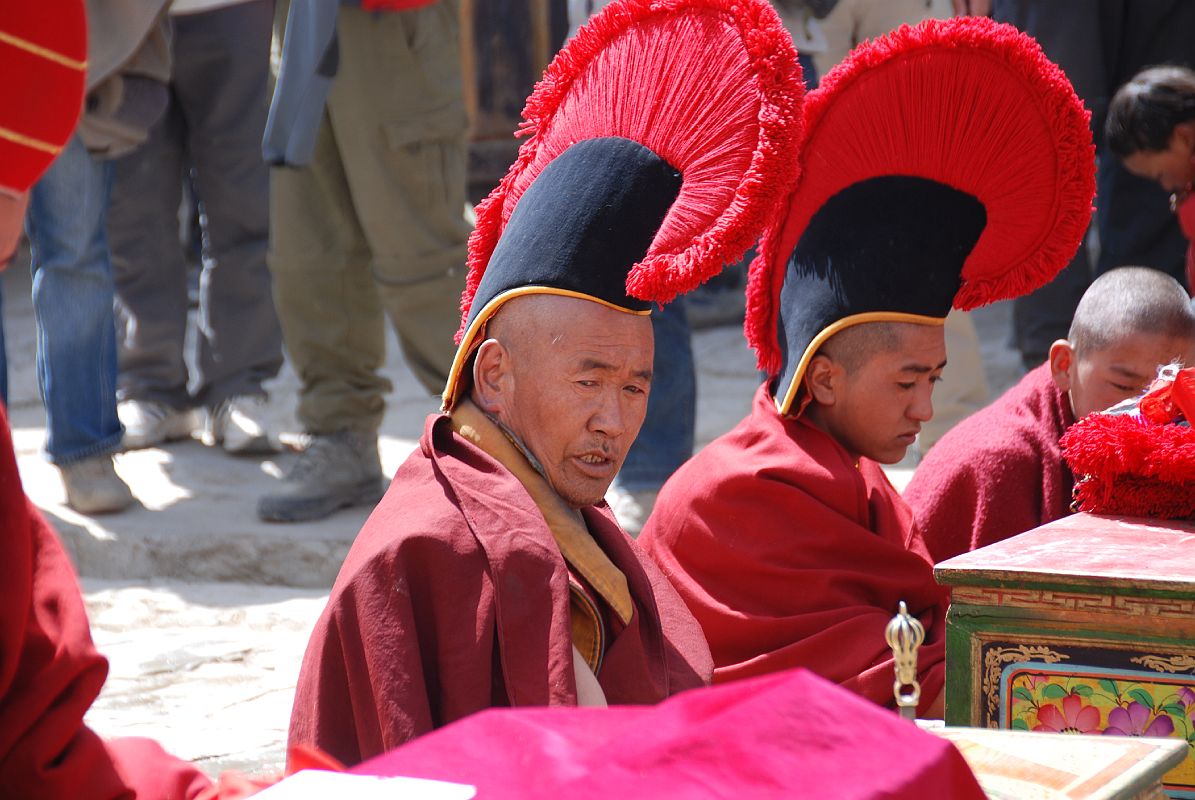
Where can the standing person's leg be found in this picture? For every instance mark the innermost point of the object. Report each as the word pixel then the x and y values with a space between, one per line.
pixel 76 338
pixel 333 326
pixel 1072 34
pixel 150 275
pixel 398 112
pixel 666 438
pixel 220 77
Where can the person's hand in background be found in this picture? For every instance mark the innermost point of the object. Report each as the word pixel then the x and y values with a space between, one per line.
pixel 12 220
pixel 972 8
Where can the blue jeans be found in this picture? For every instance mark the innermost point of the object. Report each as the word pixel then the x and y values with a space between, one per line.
pixel 666 439
pixel 72 306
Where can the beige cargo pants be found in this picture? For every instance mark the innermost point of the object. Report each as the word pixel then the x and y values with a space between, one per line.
pixel 374 226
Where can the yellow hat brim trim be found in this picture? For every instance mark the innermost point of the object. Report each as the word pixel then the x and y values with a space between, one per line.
pixel 784 404
pixel 469 343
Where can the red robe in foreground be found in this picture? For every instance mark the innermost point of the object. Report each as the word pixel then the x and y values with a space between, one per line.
pixel 50 673
pixel 787 735
pixel 997 473
pixel 791 555
pixel 454 598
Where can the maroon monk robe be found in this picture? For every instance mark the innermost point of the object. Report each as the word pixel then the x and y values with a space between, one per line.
pixel 455 598
pixel 997 473
pixel 790 555
pixel 50 673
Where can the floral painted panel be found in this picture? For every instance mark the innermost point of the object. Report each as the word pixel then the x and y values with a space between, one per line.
pixel 1103 702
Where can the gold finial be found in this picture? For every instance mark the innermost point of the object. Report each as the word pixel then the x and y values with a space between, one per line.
pixel 905 633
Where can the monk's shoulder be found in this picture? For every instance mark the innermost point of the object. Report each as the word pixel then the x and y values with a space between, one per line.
pixel 417 524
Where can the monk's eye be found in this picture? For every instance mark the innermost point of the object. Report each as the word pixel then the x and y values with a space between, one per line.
pixel 905 386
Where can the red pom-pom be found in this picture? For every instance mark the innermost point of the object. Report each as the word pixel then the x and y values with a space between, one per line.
pixel 969 103
pixel 711 86
pixel 1126 465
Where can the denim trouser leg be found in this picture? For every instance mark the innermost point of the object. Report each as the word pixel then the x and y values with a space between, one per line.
pixel 72 306
pixel 666 439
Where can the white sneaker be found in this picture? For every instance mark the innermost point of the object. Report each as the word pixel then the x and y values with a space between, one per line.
pixel 239 423
pixel 148 423
pixel 631 509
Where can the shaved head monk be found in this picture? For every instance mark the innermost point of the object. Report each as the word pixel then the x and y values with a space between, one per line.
pixel 1000 472
pixel 493 573
pixel 784 537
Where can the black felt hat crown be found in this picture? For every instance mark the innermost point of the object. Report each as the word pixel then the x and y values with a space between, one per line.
pixel 663 141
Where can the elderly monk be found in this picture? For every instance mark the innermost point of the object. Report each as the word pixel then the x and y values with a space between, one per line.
pixel 784 537
pixel 493 573
pixel 1000 472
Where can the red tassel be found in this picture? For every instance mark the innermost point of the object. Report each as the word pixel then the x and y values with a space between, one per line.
pixel 966 102
pixel 712 86
pixel 1131 466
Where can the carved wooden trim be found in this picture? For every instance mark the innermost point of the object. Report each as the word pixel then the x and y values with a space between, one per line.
pixel 1172 664
pixel 1178 608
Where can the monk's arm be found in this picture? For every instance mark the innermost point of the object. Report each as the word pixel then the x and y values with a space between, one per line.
pixel 362 689
pixel 50 673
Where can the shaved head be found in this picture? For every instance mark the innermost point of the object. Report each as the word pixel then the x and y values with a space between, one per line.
pixel 852 347
pixel 1127 302
pixel 522 321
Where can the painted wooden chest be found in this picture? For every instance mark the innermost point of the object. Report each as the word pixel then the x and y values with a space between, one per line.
pixel 1085 625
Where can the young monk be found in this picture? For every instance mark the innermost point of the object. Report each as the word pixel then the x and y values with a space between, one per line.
pixel 492 573
pixel 784 537
pixel 1000 472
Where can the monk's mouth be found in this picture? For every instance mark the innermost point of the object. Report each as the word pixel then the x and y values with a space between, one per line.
pixel 595 465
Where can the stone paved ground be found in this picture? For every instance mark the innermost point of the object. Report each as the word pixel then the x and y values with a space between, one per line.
pixel 209 668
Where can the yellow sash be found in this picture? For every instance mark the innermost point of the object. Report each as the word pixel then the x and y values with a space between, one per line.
pixel 568 529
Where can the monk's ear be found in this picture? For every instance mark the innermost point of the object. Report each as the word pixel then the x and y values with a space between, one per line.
pixel 492 377
pixel 822 378
pixel 1062 358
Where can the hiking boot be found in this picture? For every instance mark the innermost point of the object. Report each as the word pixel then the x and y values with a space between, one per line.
pixel 149 422
pixel 336 471
pixel 93 487
pixel 239 423
pixel 631 509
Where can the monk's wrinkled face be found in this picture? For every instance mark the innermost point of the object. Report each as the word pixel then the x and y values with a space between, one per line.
pixel 1097 379
pixel 575 389
pixel 876 408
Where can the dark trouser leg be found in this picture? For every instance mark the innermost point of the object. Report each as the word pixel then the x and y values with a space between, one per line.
pixel 148 266
pixel 221 68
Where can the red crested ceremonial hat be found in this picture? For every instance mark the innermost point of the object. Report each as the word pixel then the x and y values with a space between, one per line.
pixel 662 140
pixel 43 61
pixel 944 165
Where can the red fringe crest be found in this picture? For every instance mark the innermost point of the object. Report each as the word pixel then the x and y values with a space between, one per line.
pixel 972 129
pixel 1126 465
pixel 712 86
